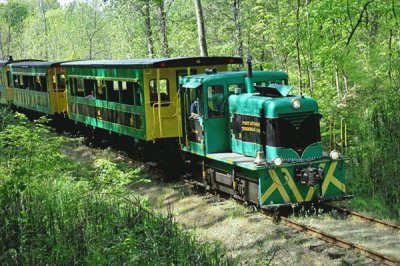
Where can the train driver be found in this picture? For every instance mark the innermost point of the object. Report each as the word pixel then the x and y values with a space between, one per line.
pixel 194 109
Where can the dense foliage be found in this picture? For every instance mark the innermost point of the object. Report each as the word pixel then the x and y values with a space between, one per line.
pixel 344 53
pixel 58 211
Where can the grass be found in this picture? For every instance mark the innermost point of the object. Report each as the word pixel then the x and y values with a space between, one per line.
pixel 59 209
pixel 374 206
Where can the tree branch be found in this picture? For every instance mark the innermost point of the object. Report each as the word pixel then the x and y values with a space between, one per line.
pixel 358 22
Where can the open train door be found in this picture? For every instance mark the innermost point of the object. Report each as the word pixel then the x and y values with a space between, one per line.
pixel 193 118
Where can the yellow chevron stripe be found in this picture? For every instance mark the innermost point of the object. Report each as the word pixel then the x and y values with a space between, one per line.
pixel 292 185
pixel 310 194
pixel 268 193
pixel 280 188
pixel 330 178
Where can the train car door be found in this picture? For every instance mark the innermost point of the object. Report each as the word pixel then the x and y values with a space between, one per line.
pixel 216 122
pixel 193 113
pixel 205 113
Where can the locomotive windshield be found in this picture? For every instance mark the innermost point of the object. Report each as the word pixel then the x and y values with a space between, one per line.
pixel 293 131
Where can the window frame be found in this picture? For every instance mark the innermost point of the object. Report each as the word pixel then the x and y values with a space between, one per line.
pixel 154 95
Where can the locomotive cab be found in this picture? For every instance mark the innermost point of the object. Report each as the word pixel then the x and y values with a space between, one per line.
pixel 256 141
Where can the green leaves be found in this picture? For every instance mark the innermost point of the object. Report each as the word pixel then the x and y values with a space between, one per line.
pixel 57 210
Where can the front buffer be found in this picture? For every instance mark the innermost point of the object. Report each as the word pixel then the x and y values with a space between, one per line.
pixel 322 180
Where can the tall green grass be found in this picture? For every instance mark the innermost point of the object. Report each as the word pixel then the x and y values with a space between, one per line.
pixel 57 211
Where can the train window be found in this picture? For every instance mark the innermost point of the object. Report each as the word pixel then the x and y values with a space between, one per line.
pixel 127 93
pixel 80 92
pixel 8 79
pixel 16 81
pixel 112 91
pixel 43 83
pixel 38 85
pixel 164 91
pixel 72 86
pixel 59 79
pixel 215 95
pixel 236 88
pixel 137 94
pixel 90 86
pixel 101 90
pixel 28 84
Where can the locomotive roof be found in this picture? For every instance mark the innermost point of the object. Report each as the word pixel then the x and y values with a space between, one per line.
pixel 156 62
pixel 35 63
pixel 233 76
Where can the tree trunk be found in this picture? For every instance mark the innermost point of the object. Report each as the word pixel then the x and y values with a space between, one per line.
pixel 163 29
pixel 310 51
pixel 1 44
pixel 148 32
pixel 335 61
pixel 390 55
pixel 43 9
pixel 200 28
pixel 9 40
pixel 298 46
pixel 238 29
pixel 262 55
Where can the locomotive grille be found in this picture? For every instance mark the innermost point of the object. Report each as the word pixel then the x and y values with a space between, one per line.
pixel 296 118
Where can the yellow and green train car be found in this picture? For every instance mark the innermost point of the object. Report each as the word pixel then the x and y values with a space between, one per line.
pixel 6 93
pixel 39 86
pixel 137 98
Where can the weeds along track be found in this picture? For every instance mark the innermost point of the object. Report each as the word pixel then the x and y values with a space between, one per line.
pixel 368 224
pixel 316 231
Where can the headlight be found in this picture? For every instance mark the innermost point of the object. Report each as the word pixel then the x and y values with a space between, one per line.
pixel 277 161
pixel 334 155
pixel 296 104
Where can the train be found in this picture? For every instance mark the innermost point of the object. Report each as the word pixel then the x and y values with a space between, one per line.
pixel 241 131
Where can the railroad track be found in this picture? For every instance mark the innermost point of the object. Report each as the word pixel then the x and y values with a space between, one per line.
pixel 337 241
pixel 361 216
pixel 340 242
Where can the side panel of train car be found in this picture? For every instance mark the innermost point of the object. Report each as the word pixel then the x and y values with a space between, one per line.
pixel 137 98
pixel 234 128
pixel 6 91
pixel 39 86
pixel 3 80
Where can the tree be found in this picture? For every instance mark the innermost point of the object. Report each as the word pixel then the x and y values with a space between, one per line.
pixel 238 28
pixel 200 28
pixel 14 13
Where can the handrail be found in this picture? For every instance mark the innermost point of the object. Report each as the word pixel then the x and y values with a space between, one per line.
pixel 159 100
pixel 54 90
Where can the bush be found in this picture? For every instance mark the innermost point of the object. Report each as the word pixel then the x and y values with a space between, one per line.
pixel 56 211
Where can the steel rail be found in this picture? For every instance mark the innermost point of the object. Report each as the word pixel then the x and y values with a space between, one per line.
pixel 341 242
pixel 363 217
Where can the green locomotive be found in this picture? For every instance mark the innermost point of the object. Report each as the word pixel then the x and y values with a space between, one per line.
pixel 256 141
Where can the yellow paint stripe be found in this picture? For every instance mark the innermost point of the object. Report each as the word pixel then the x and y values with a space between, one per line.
pixel 310 194
pixel 292 185
pixel 330 178
pixel 281 190
pixel 268 193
